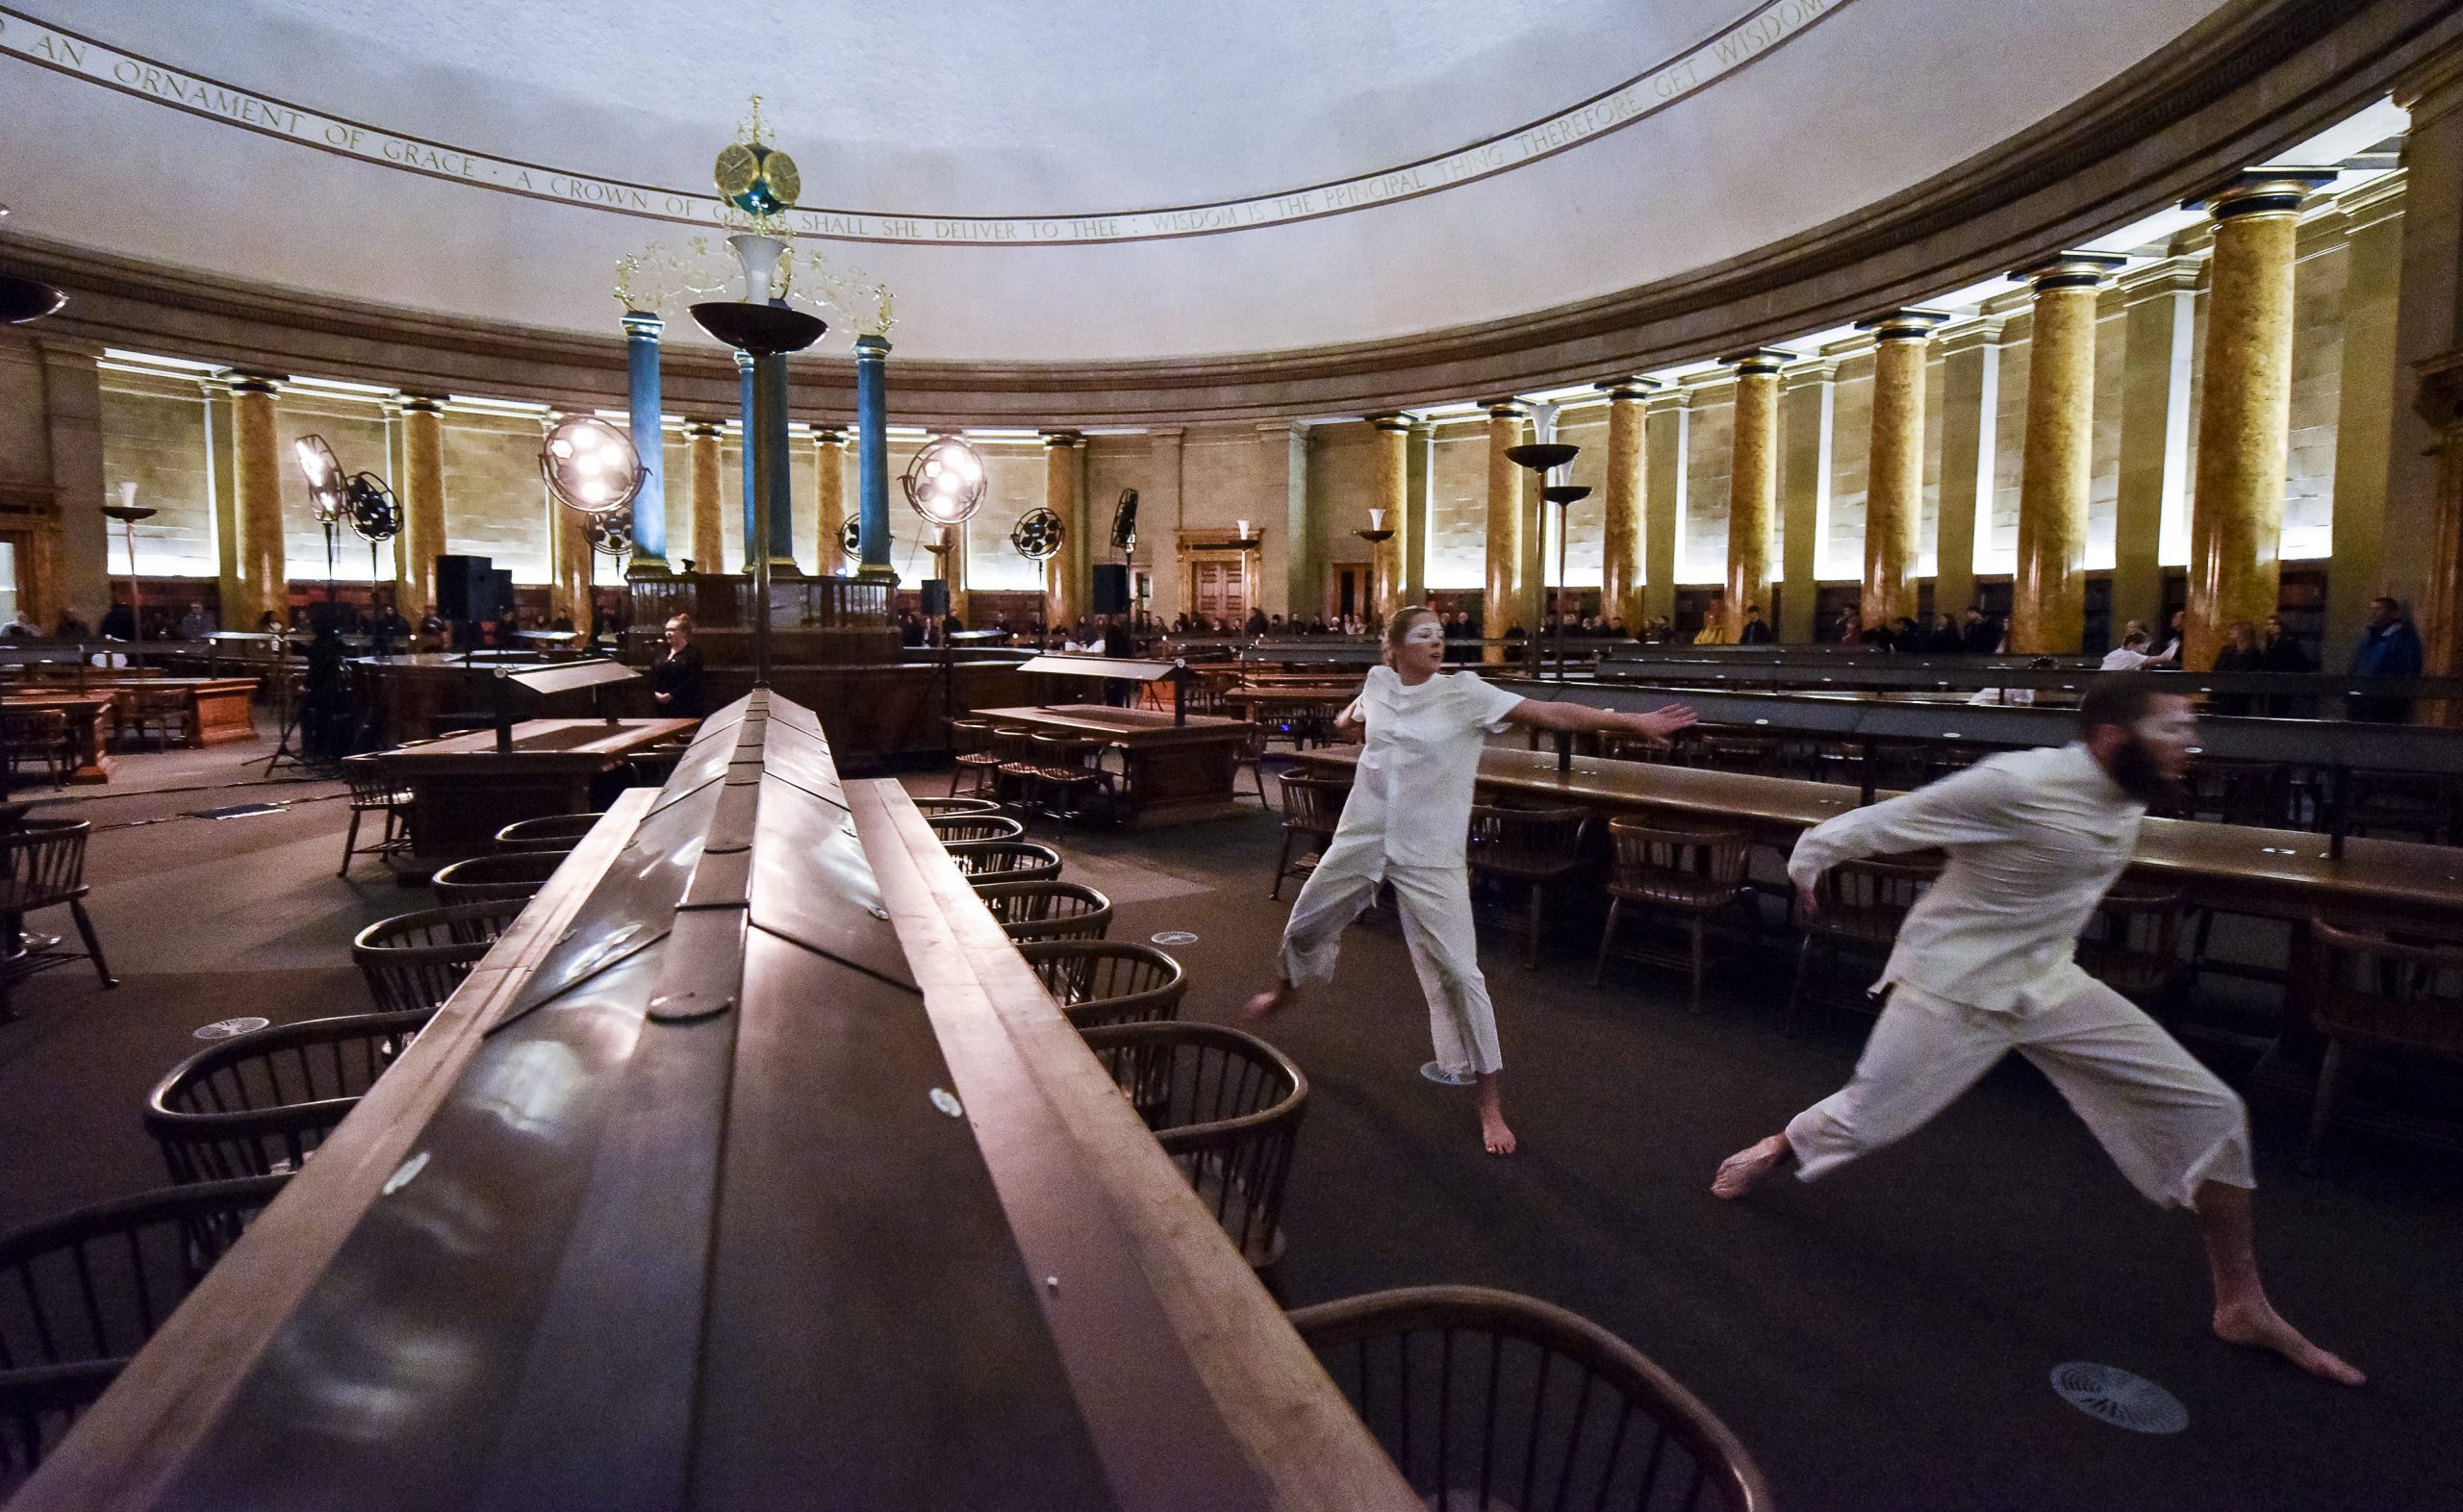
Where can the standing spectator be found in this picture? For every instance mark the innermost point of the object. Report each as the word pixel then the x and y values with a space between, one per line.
pixel 1983 635
pixel 675 677
pixel 2240 653
pixel 2389 647
pixel 1755 631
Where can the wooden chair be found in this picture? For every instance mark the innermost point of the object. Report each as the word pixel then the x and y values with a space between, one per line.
pixel 2400 805
pixel 958 828
pixel 928 806
pixel 1532 848
pixel 972 756
pixel 1862 905
pixel 413 962
pixel 2132 945
pixel 88 1289
pixel 1486 1400
pixel 1252 756
pixel 373 791
pixel 1069 777
pixel 1312 808
pixel 260 1102
pixel 2378 991
pixel 40 736
pixel 159 714
pixel 1099 982
pixel 1697 874
pixel 42 865
pixel 1226 1106
pixel 556 832
pixel 1048 910
pixel 985 861
pixel 1755 754
pixel 515 875
pixel 1015 766
pixel 2252 793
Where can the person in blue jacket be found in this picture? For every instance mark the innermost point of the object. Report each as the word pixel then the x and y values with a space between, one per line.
pixel 2389 647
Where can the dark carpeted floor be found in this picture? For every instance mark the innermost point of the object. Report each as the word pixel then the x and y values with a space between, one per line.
pixel 1880 1340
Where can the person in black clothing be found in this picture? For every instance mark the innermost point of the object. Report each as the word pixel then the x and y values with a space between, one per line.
pixel 675 677
pixel 2240 653
pixel 390 630
pixel 119 621
pixel 1255 624
pixel 1756 630
pixel 324 716
pixel 1946 635
pixel 2278 652
pixel 1983 633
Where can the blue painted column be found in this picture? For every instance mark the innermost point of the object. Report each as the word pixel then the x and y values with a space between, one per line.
pixel 649 508
pixel 871 457
pixel 770 373
pixel 745 432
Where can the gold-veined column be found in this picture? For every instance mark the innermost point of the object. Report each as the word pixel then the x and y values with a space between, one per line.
pixel 1394 496
pixel 2048 597
pixel 569 554
pixel 1621 589
pixel 1753 483
pixel 709 531
pixel 830 468
pixel 2245 408
pixel 1065 574
pixel 1501 599
pixel 1894 469
pixel 423 538
pixel 256 486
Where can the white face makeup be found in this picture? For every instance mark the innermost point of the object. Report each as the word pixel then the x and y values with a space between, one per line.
pixel 1425 632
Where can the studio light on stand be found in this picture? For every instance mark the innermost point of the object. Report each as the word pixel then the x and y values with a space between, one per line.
pixel 128 512
pixel 375 517
pixel 325 482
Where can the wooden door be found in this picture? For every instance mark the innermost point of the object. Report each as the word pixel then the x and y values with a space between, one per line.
pixel 1218 591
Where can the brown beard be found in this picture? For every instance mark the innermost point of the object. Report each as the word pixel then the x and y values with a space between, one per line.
pixel 2136 771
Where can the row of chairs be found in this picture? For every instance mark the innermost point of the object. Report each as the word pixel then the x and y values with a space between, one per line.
pixel 1030 771
pixel 1552 1410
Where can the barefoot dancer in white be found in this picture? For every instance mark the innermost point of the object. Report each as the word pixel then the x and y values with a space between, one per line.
pixel 1985 964
pixel 1406 821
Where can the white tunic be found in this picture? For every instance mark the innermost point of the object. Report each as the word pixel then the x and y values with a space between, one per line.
pixel 1414 781
pixel 2034 839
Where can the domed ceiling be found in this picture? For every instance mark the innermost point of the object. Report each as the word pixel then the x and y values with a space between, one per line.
pixel 1063 181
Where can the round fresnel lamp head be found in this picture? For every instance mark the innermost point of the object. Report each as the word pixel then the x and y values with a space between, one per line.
pixel 850 541
pixel 369 507
pixel 1037 535
pixel 590 464
pixel 611 534
pixel 324 474
pixel 945 481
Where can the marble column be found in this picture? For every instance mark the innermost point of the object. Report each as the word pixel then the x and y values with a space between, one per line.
pixel 871 457
pixel 642 385
pixel 2245 407
pixel 709 531
pixel 1668 439
pixel 256 482
pixel 422 499
pixel 830 468
pixel 1621 589
pixel 1894 466
pixel 1502 597
pixel 569 555
pixel 1970 406
pixel 2049 596
pixel 2158 349
pixel 1753 482
pixel 1066 579
pixel 1393 496
pixel 745 450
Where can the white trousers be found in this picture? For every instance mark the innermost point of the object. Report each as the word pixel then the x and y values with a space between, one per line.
pixel 1436 905
pixel 2168 1121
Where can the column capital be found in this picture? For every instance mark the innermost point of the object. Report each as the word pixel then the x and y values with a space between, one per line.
pixel 418 403
pixel 2070 270
pixel 1058 441
pixel 2260 191
pixel 1634 387
pixel 1391 420
pixel 640 322
pixel 873 347
pixel 828 436
pixel 241 382
pixel 1904 326
pixel 1761 362
pixel 704 430
pixel 1507 408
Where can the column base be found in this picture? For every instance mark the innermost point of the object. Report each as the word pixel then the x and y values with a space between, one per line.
pixel 640 567
pixel 876 572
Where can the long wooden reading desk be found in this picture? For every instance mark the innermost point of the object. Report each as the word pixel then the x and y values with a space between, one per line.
pixel 463 789
pixel 752 1168
pixel 1173 771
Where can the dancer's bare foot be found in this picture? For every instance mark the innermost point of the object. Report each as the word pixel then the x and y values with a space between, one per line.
pixel 1268 1003
pixel 2259 1326
pixel 1493 1132
pixel 1743 1171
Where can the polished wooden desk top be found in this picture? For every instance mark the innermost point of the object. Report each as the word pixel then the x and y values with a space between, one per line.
pixel 2274 867
pixel 1121 726
pixel 535 740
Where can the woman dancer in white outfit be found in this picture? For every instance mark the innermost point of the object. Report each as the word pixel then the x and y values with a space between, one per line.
pixel 1408 823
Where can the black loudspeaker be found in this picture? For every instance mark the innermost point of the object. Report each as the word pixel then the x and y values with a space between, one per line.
pixel 1111 589
pixel 936 597
pixel 500 594
pixel 462 588
pixel 1125 520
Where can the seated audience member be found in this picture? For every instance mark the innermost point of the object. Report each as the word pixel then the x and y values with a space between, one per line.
pixel 197 625
pixel 71 625
pixel 1755 631
pixel 2240 653
pixel 22 627
pixel 1983 635
pixel 119 621
pixel 1946 637
pixel 2170 653
pixel 2128 656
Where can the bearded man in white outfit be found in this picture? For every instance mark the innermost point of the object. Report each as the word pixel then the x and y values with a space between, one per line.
pixel 1985 964
pixel 1408 823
